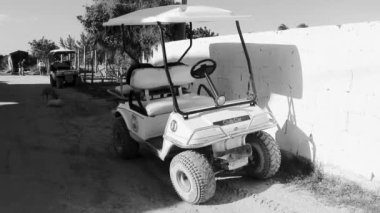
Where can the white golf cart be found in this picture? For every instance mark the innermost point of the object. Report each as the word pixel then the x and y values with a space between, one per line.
pixel 205 134
pixel 61 67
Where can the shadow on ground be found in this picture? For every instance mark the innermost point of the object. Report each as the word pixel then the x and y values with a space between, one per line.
pixel 63 155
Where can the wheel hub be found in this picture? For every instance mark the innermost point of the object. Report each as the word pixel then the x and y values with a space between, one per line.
pixel 255 158
pixel 183 181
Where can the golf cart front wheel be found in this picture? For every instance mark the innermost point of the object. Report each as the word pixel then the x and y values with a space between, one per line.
pixel 59 82
pixel 266 157
pixel 125 147
pixel 192 177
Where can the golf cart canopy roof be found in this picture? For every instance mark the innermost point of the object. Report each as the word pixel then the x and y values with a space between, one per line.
pixel 62 50
pixel 174 14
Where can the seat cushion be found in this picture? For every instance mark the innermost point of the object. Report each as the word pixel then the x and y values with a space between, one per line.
pixel 165 105
pixel 153 77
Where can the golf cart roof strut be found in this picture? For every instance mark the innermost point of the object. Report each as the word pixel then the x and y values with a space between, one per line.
pixel 123 36
pixel 252 81
pixel 191 43
pixel 176 108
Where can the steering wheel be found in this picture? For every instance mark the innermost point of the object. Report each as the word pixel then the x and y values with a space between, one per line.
pixel 203 67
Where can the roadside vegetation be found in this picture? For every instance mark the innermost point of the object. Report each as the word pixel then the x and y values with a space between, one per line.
pixel 109 52
pixel 329 188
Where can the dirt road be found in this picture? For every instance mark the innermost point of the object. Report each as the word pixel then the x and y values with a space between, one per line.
pixel 60 160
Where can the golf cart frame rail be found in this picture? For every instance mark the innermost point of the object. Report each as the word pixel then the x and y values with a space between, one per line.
pixel 252 101
pixel 160 18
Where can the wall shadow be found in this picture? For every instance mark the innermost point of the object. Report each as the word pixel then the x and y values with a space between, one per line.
pixel 277 71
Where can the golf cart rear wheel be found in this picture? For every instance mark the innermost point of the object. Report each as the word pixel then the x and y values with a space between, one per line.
pixel 59 82
pixel 74 82
pixel 192 177
pixel 125 147
pixel 266 157
pixel 52 82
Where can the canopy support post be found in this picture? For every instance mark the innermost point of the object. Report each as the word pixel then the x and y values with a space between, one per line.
pixel 191 43
pixel 175 103
pixel 252 81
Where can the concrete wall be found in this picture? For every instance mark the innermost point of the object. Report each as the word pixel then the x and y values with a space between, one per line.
pixel 322 84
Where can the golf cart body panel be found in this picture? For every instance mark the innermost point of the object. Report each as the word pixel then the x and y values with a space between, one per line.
pixel 204 129
pixel 221 127
pixel 141 126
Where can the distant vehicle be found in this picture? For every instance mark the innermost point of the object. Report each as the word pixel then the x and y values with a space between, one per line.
pixel 206 134
pixel 61 68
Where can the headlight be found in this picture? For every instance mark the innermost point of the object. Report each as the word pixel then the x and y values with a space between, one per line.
pixel 221 100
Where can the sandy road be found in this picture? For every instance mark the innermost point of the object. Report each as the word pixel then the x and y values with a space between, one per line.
pixel 60 160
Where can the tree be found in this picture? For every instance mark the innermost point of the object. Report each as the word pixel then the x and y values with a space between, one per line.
pixel 138 39
pixel 41 48
pixel 200 32
pixel 84 41
pixel 68 43
pixel 282 27
pixel 303 25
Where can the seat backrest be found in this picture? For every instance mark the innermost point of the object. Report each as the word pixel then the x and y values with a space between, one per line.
pixel 155 77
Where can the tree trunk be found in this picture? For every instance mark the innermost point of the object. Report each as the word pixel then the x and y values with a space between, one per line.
pixel 105 63
pixel 84 64
pixel 92 66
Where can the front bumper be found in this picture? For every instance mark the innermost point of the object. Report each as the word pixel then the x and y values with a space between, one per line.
pixel 221 135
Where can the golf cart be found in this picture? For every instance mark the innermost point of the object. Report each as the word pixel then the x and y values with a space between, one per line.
pixel 207 135
pixel 61 67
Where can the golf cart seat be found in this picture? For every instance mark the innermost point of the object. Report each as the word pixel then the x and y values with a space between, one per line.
pixel 150 79
pixel 147 78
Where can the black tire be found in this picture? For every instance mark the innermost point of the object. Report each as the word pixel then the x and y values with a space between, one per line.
pixel 52 82
pixel 59 82
pixel 266 157
pixel 192 177
pixel 75 78
pixel 125 147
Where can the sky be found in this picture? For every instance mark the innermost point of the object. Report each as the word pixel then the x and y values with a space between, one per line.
pixel 267 15
pixel 21 21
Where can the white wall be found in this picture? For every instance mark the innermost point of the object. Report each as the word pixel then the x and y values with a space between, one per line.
pixel 322 84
